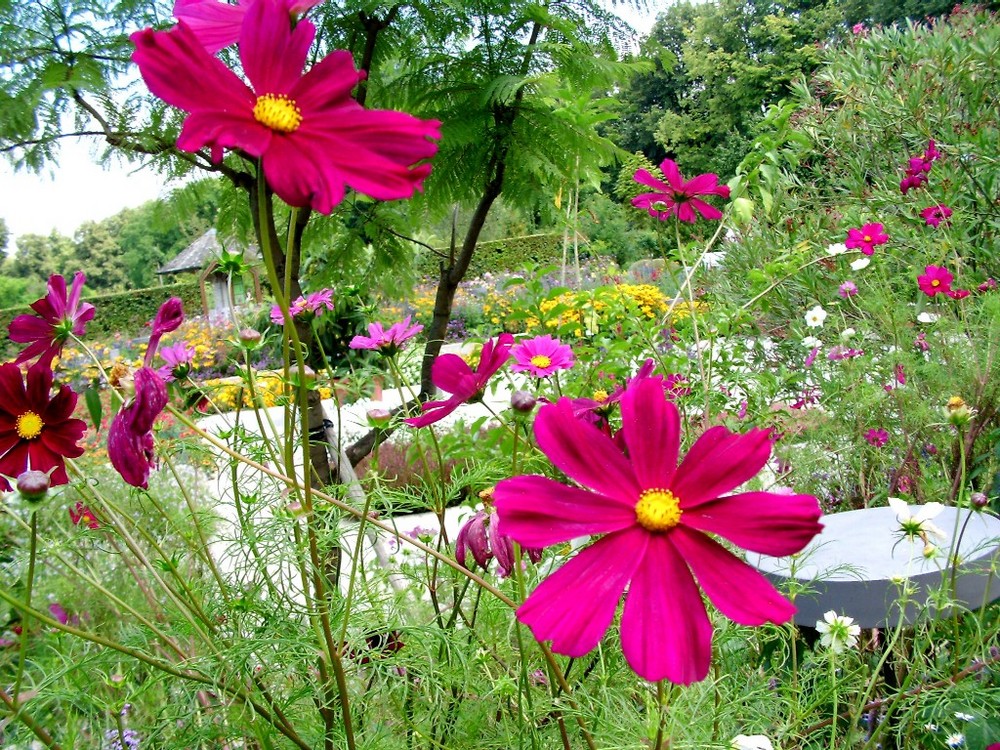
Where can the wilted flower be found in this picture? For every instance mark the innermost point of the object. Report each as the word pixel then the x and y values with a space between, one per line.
pixel 675 197
pixel 168 319
pixel 130 437
pixel 867 238
pixel 482 536
pixel 957 411
pixel 838 632
pixel 58 314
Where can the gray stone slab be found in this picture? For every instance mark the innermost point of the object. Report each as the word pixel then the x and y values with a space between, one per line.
pixel 854 566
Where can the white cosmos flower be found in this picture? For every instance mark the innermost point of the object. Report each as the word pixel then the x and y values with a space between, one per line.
pixel 838 632
pixel 860 263
pixel 926 317
pixel 847 333
pixel 962 716
pixel 815 317
pixel 955 740
pixel 919 523
pixel 837 248
pixel 751 742
pixel 810 342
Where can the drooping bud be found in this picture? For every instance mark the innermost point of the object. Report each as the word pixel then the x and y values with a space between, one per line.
pixel 33 485
pixel 979 500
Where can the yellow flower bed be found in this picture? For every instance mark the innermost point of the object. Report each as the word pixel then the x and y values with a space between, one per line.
pixel 269 387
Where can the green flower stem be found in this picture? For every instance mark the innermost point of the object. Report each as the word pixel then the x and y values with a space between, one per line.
pixel 756 298
pixel 663 696
pixel 693 313
pixel 26 621
pixel 836 695
pixel 17 712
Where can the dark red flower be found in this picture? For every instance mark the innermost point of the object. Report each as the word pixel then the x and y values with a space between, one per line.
pixel 130 438
pixel 37 429
pixel 60 313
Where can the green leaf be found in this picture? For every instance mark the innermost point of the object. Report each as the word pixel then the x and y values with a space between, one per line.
pixel 93 398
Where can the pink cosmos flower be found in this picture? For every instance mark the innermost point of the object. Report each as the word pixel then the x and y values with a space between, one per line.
pixel 675 197
pixel 130 437
pixel 838 353
pixel 935 280
pixel 313 139
pixel 811 357
pixel 958 293
pixel 900 374
pixel 920 342
pixel 866 238
pixel 59 314
pixel 934 215
pixel 847 289
pixel 655 518
pixel 987 286
pixel 311 305
pixel 450 373
pixel 878 437
pixel 858 29
pixel 217 24
pixel 387 341
pixel 178 358
pixel 542 356
pixel 168 319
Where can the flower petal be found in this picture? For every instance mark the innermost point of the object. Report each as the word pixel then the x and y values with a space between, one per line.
pixel 452 374
pixel 652 428
pixel 585 453
pixel 666 633
pixel 643 177
pixel 537 511
pixel 574 606
pixel 673 174
pixel 764 522
pixel 740 592
pixel 718 462
pixel 272 51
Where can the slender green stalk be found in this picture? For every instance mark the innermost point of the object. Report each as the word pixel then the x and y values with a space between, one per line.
pixel 26 619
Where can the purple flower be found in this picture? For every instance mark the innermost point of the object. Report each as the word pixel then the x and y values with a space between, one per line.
pixel 542 356
pixel 58 613
pixel 847 289
pixel 878 437
pixel 934 215
pixel 387 341
pixel 310 306
pixel 59 314
pixel 481 535
pixel 179 359
pixel 811 357
pixel 130 438
pixel 844 352
pixel 168 318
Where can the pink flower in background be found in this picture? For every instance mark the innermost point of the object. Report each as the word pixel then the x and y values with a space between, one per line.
pixel 811 357
pixel 168 318
pixel 654 518
pixel 542 356
pixel 931 154
pixel 482 536
pixel 866 238
pixel 314 140
pixel 934 215
pixel 311 305
pixel 80 513
pixel 58 613
pixel 453 375
pixel 920 342
pixel 989 285
pixel 900 374
pixel 58 314
pixel 838 353
pixel 878 437
pixel 130 437
pixel 179 359
pixel 675 197
pixel 859 29
pixel 217 24
pixel 315 302
pixel 847 289
pixel 935 280
pixel 958 293
pixel 918 169
pixel 387 341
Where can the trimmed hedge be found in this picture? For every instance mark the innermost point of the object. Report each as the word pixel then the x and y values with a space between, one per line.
pixel 512 254
pixel 122 312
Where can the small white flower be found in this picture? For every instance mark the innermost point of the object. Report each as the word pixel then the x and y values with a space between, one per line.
pixel 837 248
pixel 816 317
pixel 751 742
pixel 926 317
pixel 955 740
pixel 860 263
pixel 810 342
pixel 847 333
pixel 964 716
pixel 838 632
pixel 917 524
pixel 930 727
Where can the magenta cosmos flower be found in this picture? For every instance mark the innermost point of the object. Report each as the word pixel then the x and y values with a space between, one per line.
pixel 877 437
pixel 59 314
pixel 130 437
pixel 37 429
pixel 313 139
pixel 387 341
pixel 217 24
pixel 656 519
pixel 179 359
pixel 866 238
pixel 935 280
pixel 311 305
pixel 934 215
pixel 542 356
pixel 452 374
pixel 675 197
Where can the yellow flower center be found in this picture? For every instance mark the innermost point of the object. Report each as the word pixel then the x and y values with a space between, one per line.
pixel 278 112
pixel 936 282
pixel 29 425
pixel 868 238
pixel 658 510
pixel 600 395
pixel 541 361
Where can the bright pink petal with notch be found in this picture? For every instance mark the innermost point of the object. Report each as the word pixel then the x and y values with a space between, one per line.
pixel 585 453
pixel 574 606
pixel 666 633
pixel 763 522
pixel 274 53
pixel 718 462
pixel 706 210
pixel 538 511
pixel 739 591
pixel 301 174
pixel 643 177
pixel 434 411
pixel 652 428
pixel 672 173
pixel 706 184
pixel 452 374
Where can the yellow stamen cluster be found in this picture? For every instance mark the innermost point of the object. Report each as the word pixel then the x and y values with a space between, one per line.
pixel 277 112
pixel 658 510
pixel 29 425
pixel 541 361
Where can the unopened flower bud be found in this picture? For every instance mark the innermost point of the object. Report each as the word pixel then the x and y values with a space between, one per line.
pixel 930 551
pixel 957 411
pixel 33 485
pixel 250 338
pixel 523 402
pixel 378 418
pixel 979 500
